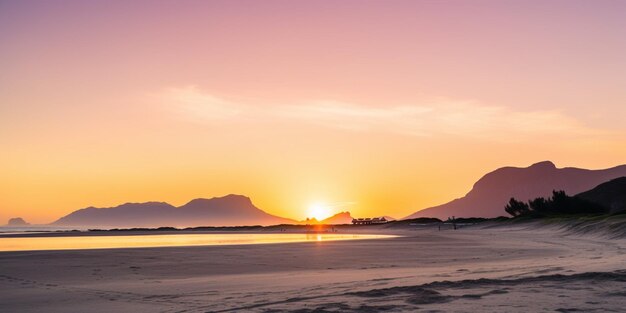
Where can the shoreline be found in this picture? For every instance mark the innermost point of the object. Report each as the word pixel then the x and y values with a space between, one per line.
pixel 611 226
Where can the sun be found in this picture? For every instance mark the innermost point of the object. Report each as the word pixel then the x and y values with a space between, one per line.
pixel 319 211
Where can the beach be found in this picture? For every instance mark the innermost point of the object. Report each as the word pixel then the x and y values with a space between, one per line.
pixel 489 269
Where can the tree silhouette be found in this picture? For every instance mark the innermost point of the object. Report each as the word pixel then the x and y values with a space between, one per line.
pixel 559 203
pixel 540 205
pixel 516 208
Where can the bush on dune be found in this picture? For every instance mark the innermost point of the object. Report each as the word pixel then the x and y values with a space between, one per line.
pixel 517 208
pixel 559 204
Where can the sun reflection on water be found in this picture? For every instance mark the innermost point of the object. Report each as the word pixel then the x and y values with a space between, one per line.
pixel 166 240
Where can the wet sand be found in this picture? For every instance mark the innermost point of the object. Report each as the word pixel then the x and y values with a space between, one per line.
pixel 519 269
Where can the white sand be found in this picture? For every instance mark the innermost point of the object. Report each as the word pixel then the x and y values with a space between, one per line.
pixel 527 270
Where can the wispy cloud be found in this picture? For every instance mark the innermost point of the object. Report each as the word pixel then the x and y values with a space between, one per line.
pixel 351 116
pixel 427 118
pixel 460 118
pixel 191 102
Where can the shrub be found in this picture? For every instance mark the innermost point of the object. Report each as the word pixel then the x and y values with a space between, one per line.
pixel 559 203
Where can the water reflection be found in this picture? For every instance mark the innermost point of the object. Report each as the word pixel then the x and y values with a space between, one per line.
pixel 169 240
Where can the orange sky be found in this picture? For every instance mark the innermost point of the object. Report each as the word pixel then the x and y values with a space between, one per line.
pixel 376 107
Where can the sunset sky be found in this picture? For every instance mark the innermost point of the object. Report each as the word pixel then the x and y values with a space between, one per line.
pixel 374 107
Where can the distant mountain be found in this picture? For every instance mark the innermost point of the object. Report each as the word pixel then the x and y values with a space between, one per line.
pixel 17 221
pixel 230 210
pixel 338 219
pixel 611 195
pixel 491 193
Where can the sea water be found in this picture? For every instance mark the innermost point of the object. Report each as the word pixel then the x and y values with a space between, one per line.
pixel 65 242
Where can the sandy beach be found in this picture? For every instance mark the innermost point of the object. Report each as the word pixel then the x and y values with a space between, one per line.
pixel 504 269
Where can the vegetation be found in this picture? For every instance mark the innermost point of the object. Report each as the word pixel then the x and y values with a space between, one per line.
pixel 476 220
pixel 517 208
pixel 559 204
pixel 419 220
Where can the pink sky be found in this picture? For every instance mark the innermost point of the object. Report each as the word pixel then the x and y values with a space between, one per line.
pixel 390 106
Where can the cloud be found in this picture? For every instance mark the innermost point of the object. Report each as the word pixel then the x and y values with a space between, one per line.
pixel 431 117
pixel 437 117
pixel 191 102
pixel 350 116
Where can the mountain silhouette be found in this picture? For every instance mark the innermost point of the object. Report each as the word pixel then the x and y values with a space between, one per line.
pixel 17 221
pixel 491 193
pixel 338 219
pixel 230 210
pixel 611 195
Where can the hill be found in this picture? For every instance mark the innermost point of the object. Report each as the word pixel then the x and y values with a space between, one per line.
pixel 338 219
pixel 17 221
pixel 491 193
pixel 611 195
pixel 230 210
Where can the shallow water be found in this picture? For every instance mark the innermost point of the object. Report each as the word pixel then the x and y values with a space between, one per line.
pixel 169 240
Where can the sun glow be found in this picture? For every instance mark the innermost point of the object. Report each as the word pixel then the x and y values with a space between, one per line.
pixel 319 211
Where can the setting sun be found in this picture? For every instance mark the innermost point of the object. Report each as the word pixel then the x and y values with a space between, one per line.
pixel 319 211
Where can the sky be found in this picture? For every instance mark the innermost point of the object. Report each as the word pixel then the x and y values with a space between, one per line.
pixel 372 107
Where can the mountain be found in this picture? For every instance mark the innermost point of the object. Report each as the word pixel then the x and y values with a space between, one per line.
pixel 611 195
pixel 17 221
pixel 491 193
pixel 230 210
pixel 338 219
